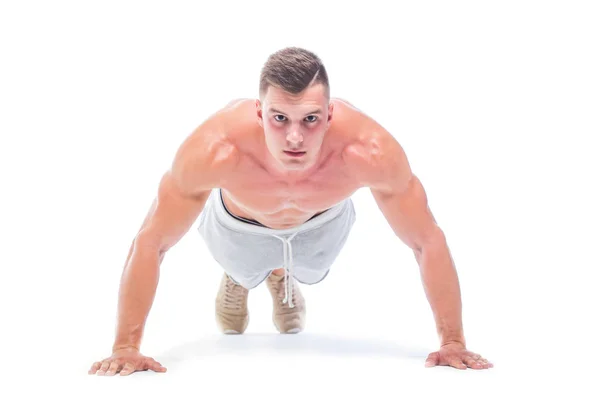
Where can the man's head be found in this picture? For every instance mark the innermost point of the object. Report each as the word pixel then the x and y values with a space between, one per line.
pixel 294 108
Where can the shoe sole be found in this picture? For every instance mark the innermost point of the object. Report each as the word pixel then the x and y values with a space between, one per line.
pixel 232 331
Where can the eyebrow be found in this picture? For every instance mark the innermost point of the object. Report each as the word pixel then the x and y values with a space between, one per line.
pixel 317 111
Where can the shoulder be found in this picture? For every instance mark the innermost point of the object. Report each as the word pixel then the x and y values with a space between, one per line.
pixel 210 152
pixel 374 155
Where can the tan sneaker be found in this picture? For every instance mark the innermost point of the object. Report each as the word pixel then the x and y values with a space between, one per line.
pixel 231 307
pixel 286 319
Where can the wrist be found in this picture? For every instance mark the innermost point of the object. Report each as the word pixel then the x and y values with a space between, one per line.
pixel 453 341
pixel 118 347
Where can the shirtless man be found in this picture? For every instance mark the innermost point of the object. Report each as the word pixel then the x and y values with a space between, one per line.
pixel 271 180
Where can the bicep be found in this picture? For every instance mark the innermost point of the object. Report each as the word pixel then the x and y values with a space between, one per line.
pixel 200 164
pixel 400 194
pixel 408 214
pixel 172 213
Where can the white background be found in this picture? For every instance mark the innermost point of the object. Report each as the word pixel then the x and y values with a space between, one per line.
pixel 495 103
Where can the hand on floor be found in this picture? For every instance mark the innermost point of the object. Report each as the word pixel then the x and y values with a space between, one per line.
pixel 125 361
pixel 457 356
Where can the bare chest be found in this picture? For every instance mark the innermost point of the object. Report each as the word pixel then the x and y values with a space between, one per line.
pixel 254 194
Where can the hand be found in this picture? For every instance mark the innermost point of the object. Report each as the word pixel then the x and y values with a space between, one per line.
pixel 126 361
pixel 457 356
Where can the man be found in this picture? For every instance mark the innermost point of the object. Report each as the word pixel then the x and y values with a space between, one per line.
pixel 271 180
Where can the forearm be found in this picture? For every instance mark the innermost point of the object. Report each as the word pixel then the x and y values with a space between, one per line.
pixel 136 293
pixel 442 289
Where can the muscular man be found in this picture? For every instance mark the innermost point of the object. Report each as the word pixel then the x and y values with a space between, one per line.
pixel 271 180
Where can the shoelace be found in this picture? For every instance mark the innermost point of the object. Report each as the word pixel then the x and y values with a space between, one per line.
pixel 281 292
pixel 277 284
pixel 234 296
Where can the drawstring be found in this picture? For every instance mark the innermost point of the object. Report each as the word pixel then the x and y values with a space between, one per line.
pixel 288 266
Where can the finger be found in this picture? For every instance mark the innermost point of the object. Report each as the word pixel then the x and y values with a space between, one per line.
pixel 156 367
pixel 127 369
pixel 432 360
pixel 114 368
pixel 483 361
pixel 486 363
pixel 457 363
pixel 472 363
pixel 104 367
pixel 95 367
pixel 160 368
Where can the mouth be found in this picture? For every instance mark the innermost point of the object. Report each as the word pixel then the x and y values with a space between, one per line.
pixel 294 153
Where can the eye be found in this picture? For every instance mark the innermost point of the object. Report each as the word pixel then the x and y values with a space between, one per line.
pixel 279 120
pixel 312 116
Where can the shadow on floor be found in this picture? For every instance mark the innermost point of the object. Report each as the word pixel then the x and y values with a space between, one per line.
pixel 303 343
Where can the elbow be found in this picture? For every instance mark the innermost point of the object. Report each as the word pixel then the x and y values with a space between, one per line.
pixel 151 242
pixel 434 239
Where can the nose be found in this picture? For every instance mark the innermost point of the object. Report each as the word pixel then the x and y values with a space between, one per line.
pixel 294 137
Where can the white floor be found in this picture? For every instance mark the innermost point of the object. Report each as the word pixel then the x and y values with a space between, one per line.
pixel 369 326
pixel 495 104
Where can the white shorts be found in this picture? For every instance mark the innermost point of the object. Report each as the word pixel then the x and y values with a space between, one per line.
pixel 249 252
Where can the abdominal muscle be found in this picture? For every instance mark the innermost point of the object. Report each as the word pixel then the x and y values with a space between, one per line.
pixel 284 219
pixel 275 213
pixel 277 204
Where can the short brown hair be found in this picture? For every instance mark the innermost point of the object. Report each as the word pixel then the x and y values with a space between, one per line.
pixel 293 69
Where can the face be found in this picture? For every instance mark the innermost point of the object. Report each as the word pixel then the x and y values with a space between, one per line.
pixel 294 125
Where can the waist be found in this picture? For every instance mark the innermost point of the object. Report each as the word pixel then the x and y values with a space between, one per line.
pixel 244 224
pixel 252 221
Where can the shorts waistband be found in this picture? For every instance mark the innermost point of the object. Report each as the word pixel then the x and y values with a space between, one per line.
pixel 225 218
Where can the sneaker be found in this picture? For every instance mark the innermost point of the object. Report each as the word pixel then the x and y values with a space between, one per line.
pixel 231 307
pixel 286 319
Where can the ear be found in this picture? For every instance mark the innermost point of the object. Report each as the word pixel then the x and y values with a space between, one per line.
pixel 259 116
pixel 330 113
